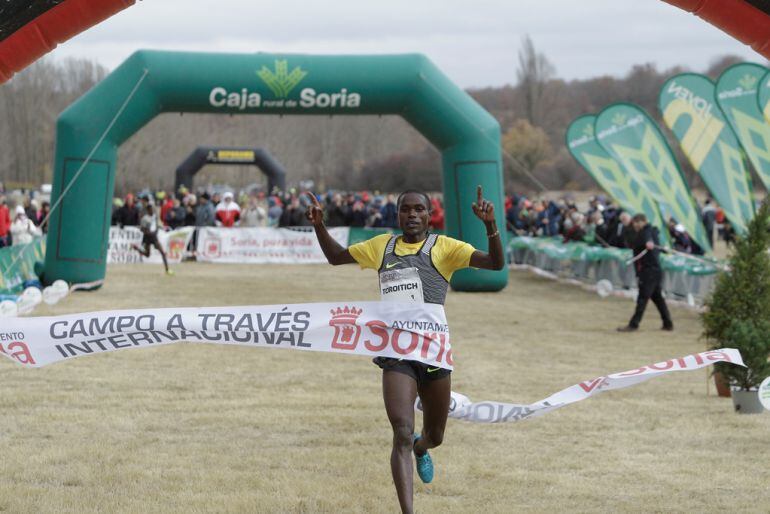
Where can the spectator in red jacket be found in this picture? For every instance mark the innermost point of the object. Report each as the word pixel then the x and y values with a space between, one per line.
pixel 166 204
pixel 5 223
pixel 436 215
pixel 228 212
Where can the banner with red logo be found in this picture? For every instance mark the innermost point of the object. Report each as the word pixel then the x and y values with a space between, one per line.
pixel 389 329
pixel 461 407
pixel 399 330
pixel 122 241
pixel 264 245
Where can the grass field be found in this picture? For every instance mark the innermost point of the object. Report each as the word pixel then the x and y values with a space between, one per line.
pixel 205 428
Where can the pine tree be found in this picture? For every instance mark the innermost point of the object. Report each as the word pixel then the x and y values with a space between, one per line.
pixel 738 311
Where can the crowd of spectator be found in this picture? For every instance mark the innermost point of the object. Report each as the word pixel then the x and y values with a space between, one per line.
pixel 26 215
pixel 22 218
pixel 286 209
pixel 602 223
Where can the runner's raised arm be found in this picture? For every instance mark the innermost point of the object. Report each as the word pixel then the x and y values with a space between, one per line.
pixel 495 259
pixel 333 251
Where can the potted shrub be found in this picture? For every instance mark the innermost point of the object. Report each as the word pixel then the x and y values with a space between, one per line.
pixel 753 341
pixel 737 313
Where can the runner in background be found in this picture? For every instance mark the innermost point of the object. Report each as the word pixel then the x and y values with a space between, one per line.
pixel 149 227
pixel 414 266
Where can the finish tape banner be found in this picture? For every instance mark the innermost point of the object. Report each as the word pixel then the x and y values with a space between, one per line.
pixel 387 329
pixel 264 245
pixel 494 412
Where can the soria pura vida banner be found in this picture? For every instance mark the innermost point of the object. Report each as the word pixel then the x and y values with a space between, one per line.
pixel 621 186
pixel 390 329
pixel 628 134
pixel 264 245
pixel 688 105
pixel 736 92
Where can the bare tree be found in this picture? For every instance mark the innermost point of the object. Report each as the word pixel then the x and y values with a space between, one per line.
pixel 30 104
pixel 533 74
pixel 341 152
pixel 31 109
pixel 720 64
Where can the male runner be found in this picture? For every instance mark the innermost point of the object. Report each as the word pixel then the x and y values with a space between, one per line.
pixel 427 261
pixel 149 227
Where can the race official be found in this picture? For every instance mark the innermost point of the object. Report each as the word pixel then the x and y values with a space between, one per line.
pixel 648 273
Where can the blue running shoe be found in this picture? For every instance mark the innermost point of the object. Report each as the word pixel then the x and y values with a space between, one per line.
pixel 424 464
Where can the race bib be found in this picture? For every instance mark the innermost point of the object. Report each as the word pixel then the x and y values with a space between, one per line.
pixel 401 285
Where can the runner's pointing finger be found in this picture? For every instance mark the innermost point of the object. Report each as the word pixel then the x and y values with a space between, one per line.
pixel 313 198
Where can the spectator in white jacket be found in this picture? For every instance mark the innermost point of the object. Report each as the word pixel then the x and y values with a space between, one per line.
pixel 254 215
pixel 23 230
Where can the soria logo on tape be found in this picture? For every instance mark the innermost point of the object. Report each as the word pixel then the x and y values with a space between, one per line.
pixel 346 331
pixel 403 336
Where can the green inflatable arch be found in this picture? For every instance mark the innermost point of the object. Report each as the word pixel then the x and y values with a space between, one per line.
pixel 406 85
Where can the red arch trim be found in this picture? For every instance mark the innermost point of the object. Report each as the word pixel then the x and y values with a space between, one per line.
pixel 55 26
pixel 739 18
pixel 747 23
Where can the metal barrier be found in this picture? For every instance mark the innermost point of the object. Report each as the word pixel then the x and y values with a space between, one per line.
pixel 684 278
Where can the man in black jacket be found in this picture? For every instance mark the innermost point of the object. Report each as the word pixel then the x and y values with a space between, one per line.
pixel 621 234
pixel 648 273
pixel 127 215
pixel 336 212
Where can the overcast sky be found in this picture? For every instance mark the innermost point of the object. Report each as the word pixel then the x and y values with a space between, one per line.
pixel 475 43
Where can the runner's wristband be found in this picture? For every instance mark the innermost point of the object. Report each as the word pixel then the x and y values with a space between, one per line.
pixel 493 234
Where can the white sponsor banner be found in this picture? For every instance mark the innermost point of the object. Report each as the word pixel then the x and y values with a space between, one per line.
pixel 461 406
pixel 121 250
pixel 399 330
pixel 264 245
pixel 388 329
